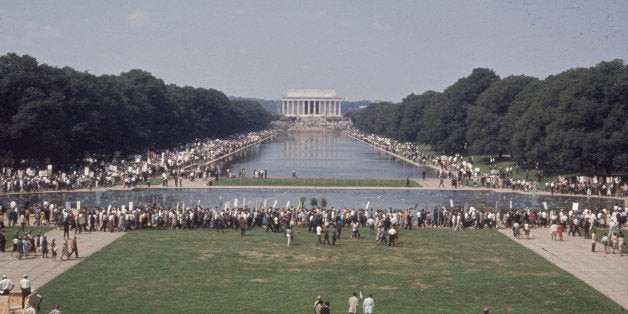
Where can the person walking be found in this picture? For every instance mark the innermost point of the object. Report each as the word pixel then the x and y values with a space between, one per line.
pixel 353 304
pixel 368 304
pixel 74 247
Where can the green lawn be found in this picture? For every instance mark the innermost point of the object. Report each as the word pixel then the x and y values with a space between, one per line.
pixel 433 270
pixel 341 182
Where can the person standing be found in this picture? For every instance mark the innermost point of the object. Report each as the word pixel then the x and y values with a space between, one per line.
pixel 614 242
pixel 368 304
pixel 326 235
pixel 554 231
pixel 66 227
pixel 289 234
pixel 25 285
pixel 34 300
pixel 392 236
pixel 242 225
pixel 6 285
pixel 3 239
pixel 318 304
pixel 325 309
pixel 319 234
pixel 53 250
pixel 318 307
pixel 44 247
pixel 605 243
pixel 353 304
pixel 593 241
pixel 74 247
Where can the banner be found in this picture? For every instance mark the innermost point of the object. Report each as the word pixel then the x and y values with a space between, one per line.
pixel 574 207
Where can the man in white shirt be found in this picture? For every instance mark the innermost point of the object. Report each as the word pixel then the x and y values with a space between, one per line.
pixel 25 285
pixel 319 233
pixel 6 285
pixel 368 304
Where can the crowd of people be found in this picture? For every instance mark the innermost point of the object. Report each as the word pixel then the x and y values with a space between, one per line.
pixel 190 161
pixel 461 172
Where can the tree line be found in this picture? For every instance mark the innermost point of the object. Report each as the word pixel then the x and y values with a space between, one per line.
pixel 575 120
pixel 59 115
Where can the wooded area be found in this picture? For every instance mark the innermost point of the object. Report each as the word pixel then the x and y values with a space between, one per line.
pixel 60 115
pixel 574 120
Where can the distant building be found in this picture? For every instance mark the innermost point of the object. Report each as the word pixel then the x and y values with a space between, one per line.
pixel 311 102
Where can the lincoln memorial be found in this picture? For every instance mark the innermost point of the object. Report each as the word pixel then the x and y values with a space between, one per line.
pixel 311 102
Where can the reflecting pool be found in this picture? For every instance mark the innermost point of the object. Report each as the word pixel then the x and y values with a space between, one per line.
pixel 316 154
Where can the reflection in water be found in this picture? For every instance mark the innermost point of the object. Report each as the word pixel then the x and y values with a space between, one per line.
pixel 321 155
pixel 315 154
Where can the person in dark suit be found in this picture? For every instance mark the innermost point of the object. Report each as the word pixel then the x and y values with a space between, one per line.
pixel 325 309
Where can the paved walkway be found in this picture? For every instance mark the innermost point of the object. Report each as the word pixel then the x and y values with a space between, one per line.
pixel 606 273
pixel 42 270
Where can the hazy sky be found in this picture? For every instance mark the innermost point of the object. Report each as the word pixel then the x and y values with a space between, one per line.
pixel 373 50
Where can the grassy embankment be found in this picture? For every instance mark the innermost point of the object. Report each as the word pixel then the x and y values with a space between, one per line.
pixel 483 162
pixel 433 270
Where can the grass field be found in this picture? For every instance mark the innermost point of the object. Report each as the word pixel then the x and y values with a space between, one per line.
pixel 433 270
pixel 341 182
